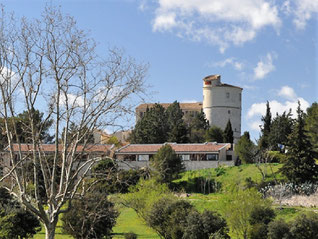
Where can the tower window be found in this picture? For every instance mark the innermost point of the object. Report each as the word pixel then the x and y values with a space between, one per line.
pixel 227 95
pixel 229 112
pixel 240 97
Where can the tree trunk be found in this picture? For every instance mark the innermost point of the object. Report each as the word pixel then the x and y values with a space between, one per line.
pixel 50 230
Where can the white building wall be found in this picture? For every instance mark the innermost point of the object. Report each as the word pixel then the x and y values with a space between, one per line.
pixel 221 103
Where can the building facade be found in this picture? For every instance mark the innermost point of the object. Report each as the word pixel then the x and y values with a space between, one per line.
pixel 194 156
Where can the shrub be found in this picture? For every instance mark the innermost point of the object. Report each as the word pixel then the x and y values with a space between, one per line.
pixel 305 226
pixel 90 217
pixel 278 229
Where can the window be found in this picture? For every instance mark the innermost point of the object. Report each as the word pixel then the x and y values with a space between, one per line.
pixel 211 157
pixel 227 95
pixel 240 97
pixel 229 112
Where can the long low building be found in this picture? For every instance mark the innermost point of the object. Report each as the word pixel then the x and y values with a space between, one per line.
pixel 195 156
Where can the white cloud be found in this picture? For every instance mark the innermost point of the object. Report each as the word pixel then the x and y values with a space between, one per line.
pixel 229 61
pixel 220 22
pixel 287 92
pixel 259 109
pixel 264 66
pixel 304 11
pixel 72 100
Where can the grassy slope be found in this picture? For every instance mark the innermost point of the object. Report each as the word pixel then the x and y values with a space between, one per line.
pixel 128 220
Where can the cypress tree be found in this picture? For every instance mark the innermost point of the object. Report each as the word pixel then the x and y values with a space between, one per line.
pixel 267 119
pixel 228 133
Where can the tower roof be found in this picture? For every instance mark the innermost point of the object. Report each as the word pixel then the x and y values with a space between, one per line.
pixel 212 77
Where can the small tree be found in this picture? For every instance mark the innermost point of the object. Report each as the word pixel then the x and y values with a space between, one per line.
pixel 214 134
pixel 245 148
pixel 228 133
pixel 237 208
pixel 299 166
pixel 167 164
pixel 92 216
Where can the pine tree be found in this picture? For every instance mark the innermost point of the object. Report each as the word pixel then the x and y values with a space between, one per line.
pixel 152 127
pixel 300 165
pixel 214 134
pixel 197 125
pixel 267 120
pixel 281 127
pixel 228 133
pixel 177 128
pixel 311 126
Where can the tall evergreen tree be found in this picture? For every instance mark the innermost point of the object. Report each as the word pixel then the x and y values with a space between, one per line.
pixel 228 133
pixel 281 127
pixel 267 120
pixel 197 125
pixel 152 127
pixel 311 126
pixel 177 128
pixel 299 166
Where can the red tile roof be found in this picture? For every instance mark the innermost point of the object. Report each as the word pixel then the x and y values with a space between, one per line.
pixel 51 147
pixel 178 148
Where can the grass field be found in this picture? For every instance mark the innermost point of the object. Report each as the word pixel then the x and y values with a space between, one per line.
pixel 128 220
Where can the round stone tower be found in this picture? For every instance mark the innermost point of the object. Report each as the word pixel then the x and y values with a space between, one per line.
pixel 222 102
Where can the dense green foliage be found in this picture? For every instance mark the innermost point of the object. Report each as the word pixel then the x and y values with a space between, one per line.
pixel 152 127
pixel 23 128
pixel 214 134
pixel 167 164
pixel 245 148
pixel 173 219
pixel 228 133
pixel 280 128
pixel 92 216
pixel 15 221
pixel 177 131
pixel 109 179
pixel 299 166
pixel 238 206
pixel 196 125
pixel 159 125
pixel 311 126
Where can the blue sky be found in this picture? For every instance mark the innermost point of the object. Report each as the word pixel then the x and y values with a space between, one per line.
pixel 267 47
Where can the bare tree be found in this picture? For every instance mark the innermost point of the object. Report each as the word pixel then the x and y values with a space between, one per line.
pixel 50 64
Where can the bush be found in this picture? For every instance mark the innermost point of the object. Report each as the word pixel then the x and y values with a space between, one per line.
pixel 90 217
pixel 130 235
pixel 174 219
pixel 305 226
pixel 278 229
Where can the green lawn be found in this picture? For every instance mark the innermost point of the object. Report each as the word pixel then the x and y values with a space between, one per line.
pixel 128 221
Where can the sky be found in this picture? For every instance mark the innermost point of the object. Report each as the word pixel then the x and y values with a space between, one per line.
pixel 267 47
